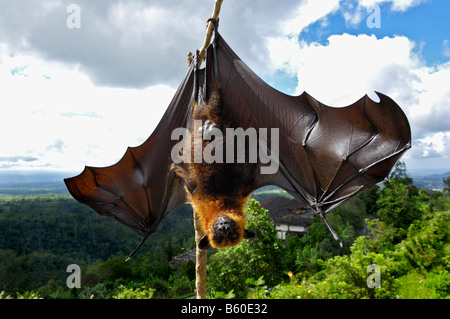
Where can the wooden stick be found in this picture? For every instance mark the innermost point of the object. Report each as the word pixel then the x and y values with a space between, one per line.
pixel 209 32
pixel 200 255
pixel 200 261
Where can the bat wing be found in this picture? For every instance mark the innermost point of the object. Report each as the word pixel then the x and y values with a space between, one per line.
pixel 326 154
pixel 141 189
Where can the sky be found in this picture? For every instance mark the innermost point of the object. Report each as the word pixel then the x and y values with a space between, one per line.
pixel 81 80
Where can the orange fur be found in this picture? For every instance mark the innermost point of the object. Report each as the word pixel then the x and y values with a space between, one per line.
pixel 210 208
pixel 216 188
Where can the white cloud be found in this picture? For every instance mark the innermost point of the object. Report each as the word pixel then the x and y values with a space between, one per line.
pixel 124 44
pixel 308 12
pixel 355 11
pixel 58 117
pixel 137 43
pixel 433 146
pixel 349 67
pixel 81 96
pixel 396 5
pixel 431 113
pixel 446 48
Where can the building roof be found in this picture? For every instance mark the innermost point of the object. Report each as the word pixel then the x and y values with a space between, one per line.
pixel 289 211
pixel 180 259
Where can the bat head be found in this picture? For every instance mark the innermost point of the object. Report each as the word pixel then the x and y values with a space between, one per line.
pixel 225 232
pixel 223 225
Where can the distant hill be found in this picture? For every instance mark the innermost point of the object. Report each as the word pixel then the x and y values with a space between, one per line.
pixel 430 182
pixel 33 182
pixel 51 182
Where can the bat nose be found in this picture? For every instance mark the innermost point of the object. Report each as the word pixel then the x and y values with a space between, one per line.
pixel 223 225
pixel 224 229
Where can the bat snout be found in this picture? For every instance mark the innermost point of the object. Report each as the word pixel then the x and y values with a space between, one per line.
pixel 224 224
pixel 224 229
pixel 226 232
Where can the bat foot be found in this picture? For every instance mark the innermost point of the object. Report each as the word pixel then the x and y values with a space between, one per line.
pixel 335 235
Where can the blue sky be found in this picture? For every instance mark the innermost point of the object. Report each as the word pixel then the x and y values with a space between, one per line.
pixel 68 92
pixel 428 23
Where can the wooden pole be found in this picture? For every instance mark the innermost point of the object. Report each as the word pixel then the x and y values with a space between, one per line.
pixel 200 261
pixel 209 32
pixel 200 255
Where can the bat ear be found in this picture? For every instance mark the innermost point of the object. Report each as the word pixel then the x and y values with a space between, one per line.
pixel 204 243
pixel 249 234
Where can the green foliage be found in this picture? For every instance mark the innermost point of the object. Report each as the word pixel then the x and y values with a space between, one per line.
pixel 99 291
pixel 409 243
pixel 446 182
pixel 402 230
pixel 346 220
pixel 62 226
pixel 381 236
pixel 188 270
pixel 40 235
pixel 417 267
pixel 438 281
pixel 400 204
pixel 229 268
pixel 348 274
pixel 369 197
pixel 342 277
pixel 308 259
pixel 258 290
pixel 433 285
pixel 222 295
pixel 24 295
pixel 425 246
pixel 400 175
pixel 134 293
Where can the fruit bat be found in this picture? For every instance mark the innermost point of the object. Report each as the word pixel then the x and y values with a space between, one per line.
pixel 319 154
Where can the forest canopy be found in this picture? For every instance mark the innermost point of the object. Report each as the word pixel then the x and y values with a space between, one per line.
pixel 403 230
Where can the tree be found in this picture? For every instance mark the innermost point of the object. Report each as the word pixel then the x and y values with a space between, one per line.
pixel 447 183
pixel 400 203
pixel 369 197
pixel 399 173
